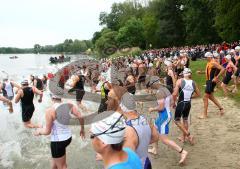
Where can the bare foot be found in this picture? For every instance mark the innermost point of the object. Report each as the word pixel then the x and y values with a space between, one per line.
pixel 152 151
pixel 181 139
pixel 183 157
pixel 191 140
pixel 202 117
pixel 221 112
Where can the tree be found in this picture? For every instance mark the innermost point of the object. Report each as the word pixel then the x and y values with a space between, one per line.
pixel 199 22
pixel 106 44
pixel 132 33
pixel 227 19
pixel 36 48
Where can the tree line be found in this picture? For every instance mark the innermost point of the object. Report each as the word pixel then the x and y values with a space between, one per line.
pixel 68 46
pixel 167 23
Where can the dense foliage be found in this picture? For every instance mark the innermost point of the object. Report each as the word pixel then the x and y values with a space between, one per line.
pixel 166 23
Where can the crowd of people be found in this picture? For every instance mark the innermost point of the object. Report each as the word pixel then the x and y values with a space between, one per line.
pixel 122 140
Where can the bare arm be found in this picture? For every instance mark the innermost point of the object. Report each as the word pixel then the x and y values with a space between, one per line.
pixel 35 90
pixel 130 138
pixel 159 107
pixel 176 90
pixel 196 93
pixel 49 123
pixel 173 78
pixel 218 66
pixel 4 99
pixel 18 96
pixel 80 118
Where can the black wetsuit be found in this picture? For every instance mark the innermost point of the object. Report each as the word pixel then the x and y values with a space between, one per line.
pixel 79 87
pixel 104 97
pixel 27 104
pixel 39 84
pixel 169 83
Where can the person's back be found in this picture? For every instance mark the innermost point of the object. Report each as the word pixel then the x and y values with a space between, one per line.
pixel 28 95
pixel 60 131
pixel 132 162
pixel 39 84
pixel 143 132
pixel 7 89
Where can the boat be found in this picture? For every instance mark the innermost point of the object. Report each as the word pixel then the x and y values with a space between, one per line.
pixel 13 57
pixel 55 60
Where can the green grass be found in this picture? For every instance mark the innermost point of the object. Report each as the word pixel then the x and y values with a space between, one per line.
pixel 200 79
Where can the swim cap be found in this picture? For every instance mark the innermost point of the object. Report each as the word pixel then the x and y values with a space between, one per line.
pixel 208 55
pixel 114 134
pixel 127 103
pixel 215 54
pixel 237 48
pixel 228 57
pixel 24 82
pixel 187 72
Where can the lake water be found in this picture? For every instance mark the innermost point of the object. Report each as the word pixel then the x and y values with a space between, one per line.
pixel 19 149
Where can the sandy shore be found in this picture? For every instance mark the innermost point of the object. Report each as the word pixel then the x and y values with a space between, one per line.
pixel 217 140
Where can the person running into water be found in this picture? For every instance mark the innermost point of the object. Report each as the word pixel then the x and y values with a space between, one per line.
pixel 38 83
pixel 185 88
pixel 57 119
pixel 211 79
pixel 26 95
pixel 231 69
pixel 7 88
pixel 78 86
pixel 3 99
pixel 139 134
pixel 108 138
pixel 164 102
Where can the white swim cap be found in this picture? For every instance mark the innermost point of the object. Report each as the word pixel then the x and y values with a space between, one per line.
pixel 127 103
pixel 208 55
pixel 187 72
pixel 215 54
pixel 114 134
pixel 228 57
pixel 237 48
pixel 232 51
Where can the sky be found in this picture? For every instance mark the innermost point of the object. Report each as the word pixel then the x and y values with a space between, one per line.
pixel 24 23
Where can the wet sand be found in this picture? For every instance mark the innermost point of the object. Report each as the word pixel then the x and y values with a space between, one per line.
pixel 217 140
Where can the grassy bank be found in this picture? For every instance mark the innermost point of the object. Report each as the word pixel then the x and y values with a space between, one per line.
pixel 201 79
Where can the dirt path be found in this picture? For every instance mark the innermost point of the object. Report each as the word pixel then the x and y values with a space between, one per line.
pixel 217 140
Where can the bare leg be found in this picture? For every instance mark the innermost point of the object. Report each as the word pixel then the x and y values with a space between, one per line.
pixel 60 162
pixel 205 104
pixel 235 84
pixel 215 101
pixel 224 87
pixel 53 165
pixel 183 128
pixel 164 139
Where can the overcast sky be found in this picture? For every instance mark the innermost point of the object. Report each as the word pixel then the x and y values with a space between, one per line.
pixel 24 23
